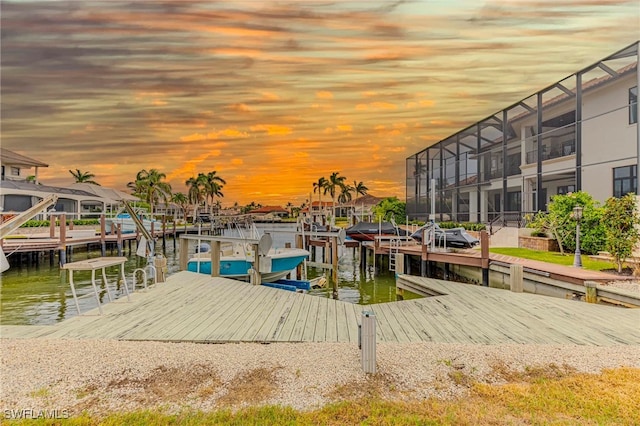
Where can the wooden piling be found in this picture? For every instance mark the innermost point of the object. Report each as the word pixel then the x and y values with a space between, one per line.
pixel 119 239
pixel 103 235
pixel 215 258
pixel 184 253
pixel 62 251
pixel 52 226
pixel 399 263
pixel 516 278
pixel 484 254
pixel 300 244
pixel 591 292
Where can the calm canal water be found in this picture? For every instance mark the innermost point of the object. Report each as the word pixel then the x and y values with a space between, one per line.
pixel 40 294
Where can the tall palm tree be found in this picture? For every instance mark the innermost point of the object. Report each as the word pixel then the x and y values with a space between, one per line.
pixel 359 188
pixel 149 185
pixel 345 194
pixel 334 183
pixel 83 177
pixel 318 186
pixel 182 201
pixel 194 194
pixel 212 185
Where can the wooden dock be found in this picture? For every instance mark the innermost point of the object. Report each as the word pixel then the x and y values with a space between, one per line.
pixel 192 307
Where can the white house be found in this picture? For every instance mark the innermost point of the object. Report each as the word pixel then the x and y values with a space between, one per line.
pixel 81 200
pixel 580 133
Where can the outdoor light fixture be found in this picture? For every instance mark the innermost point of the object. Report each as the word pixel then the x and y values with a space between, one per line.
pixel 577 215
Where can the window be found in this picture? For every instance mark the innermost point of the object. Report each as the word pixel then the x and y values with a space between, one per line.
pixel 513 201
pixel 15 171
pixel 624 180
pixel 563 190
pixel 633 105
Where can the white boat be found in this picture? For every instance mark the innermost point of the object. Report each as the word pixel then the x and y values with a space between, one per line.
pixel 236 261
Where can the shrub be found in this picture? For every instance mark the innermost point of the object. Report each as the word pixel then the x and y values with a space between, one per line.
pixel 621 222
pixel 558 221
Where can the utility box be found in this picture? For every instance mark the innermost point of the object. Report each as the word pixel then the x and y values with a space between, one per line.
pixel 368 341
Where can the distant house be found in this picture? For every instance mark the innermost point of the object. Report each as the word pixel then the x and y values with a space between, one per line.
pixel 317 211
pixel 273 211
pixel 18 167
pixel 362 208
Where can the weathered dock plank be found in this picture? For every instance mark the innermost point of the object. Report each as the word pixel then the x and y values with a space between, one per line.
pixel 286 328
pixel 199 308
pixel 321 321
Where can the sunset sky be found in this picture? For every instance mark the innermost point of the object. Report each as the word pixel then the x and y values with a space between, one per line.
pixel 273 94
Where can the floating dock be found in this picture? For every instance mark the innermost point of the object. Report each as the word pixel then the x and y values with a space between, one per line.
pixel 192 307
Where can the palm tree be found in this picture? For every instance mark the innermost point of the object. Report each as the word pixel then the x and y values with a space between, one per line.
pixel 212 185
pixel 83 177
pixel 182 201
pixel 318 186
pixel 194 194
pixel 359 188
pixel 335 181
pixel 289 207
pixel 345 194
pixel 150 187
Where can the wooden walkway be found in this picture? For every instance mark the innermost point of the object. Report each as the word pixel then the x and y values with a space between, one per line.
pixel 198 308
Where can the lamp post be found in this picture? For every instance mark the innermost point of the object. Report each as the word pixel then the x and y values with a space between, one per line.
pixel 577 215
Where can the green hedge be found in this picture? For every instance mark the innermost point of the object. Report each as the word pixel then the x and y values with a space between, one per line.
pixel 46 223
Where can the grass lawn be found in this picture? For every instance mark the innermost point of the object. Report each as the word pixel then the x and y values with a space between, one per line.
pixel 553 257
pixel 536 396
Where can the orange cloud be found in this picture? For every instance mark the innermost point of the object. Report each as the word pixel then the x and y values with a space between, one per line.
pixel 272 129
pixel 322 94
pixel 240 108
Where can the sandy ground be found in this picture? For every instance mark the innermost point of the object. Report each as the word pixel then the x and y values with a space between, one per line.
pixel 67 377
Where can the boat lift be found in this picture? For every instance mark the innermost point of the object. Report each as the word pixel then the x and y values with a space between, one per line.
pixel 6 228
pixel 147 250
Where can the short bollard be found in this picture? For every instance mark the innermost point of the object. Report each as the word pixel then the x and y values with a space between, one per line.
pixel 368 342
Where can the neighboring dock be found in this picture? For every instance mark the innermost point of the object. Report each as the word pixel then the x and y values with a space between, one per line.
pixel 192 307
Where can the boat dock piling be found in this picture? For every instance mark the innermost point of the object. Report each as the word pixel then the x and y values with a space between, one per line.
pixel 327 240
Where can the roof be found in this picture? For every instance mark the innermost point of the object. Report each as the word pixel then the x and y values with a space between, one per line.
pixel 90 191
pixel 13 158
pixel 367 199
pixel 29 186
pixel 101 191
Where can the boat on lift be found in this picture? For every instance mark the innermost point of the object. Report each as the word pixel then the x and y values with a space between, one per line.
pixel 367 231
pixel 237 260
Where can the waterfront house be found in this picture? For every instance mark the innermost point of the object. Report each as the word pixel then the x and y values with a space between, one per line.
pixel 18 167
pixel 580 133
pixel 18 192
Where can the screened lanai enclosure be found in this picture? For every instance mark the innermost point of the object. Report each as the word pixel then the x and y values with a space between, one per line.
pixel 580 133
